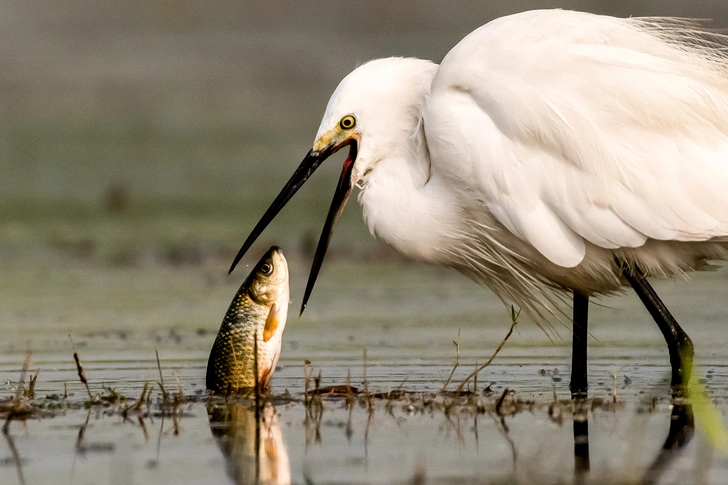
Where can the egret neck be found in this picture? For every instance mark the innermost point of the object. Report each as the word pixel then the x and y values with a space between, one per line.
pixel 402 198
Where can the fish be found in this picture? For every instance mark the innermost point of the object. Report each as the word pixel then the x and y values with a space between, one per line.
pixel 258 312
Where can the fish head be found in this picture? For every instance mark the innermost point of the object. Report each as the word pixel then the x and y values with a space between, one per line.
pixel 267 284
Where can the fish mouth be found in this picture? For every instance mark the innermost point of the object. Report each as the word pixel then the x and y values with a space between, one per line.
pixel 310 163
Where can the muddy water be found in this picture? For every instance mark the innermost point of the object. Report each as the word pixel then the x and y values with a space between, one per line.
pixel 406 317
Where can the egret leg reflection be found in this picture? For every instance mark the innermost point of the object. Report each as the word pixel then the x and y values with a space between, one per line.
pixel 682 429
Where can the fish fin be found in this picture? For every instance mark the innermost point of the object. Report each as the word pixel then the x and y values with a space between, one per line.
pixel 272 322
pixel 266 373
pixel 264 380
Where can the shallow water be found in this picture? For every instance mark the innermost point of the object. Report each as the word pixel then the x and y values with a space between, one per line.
pixel 406 317
pixel 140 143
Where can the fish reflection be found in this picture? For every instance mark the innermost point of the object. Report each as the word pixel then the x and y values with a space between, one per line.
pixel 253 448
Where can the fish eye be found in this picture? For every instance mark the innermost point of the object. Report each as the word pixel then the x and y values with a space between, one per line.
pixel 266 269
pixel 347 122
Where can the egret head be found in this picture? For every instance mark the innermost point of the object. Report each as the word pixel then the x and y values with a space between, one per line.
pixel 375 109
pixel 373 112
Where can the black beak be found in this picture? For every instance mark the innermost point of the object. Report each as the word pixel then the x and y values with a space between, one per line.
pixel 309 164
pixel 341 195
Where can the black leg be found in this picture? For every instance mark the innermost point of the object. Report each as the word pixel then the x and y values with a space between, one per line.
pixel 678 343
pixel 579 383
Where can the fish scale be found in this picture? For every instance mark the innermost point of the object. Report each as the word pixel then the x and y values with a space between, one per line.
pixel 261 303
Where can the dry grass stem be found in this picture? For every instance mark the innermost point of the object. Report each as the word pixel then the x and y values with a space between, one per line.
pixel 138 405
pixel 366 386
pixel 257 405
pixel 79 369
pixel 306 382
pixel 165 394
pixel 369 397
pixel 30 392
pixel 179 399
pixel 514 320
pixel 19 391
pixel 457 361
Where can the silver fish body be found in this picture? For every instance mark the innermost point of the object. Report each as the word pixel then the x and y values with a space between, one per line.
pixel 258 311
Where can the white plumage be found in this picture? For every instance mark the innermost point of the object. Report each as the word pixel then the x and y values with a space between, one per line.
pixel 546 150
pixel 549 152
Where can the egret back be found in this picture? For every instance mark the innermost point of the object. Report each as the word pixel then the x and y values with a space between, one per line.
pixel 561 146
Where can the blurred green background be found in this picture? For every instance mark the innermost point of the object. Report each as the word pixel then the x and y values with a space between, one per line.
pixel 129 124
pixel 137 135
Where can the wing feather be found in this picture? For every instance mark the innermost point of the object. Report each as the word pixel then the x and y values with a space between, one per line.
pixel 574 127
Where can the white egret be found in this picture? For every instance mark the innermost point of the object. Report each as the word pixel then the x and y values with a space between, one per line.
pixel 550 152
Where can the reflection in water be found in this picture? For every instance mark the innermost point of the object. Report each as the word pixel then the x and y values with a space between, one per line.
pixel 257 454
pixel 682 429
pixel 14 452
pixel 581 440
pixel 253 454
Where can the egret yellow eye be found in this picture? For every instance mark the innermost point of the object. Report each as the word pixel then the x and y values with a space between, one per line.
pixel 266 269
pixel 347 122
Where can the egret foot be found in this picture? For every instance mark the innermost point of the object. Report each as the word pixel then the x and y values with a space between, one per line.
pixel 579 384
pixel 678 343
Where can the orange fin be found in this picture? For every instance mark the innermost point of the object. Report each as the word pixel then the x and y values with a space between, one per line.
pixel 271 323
